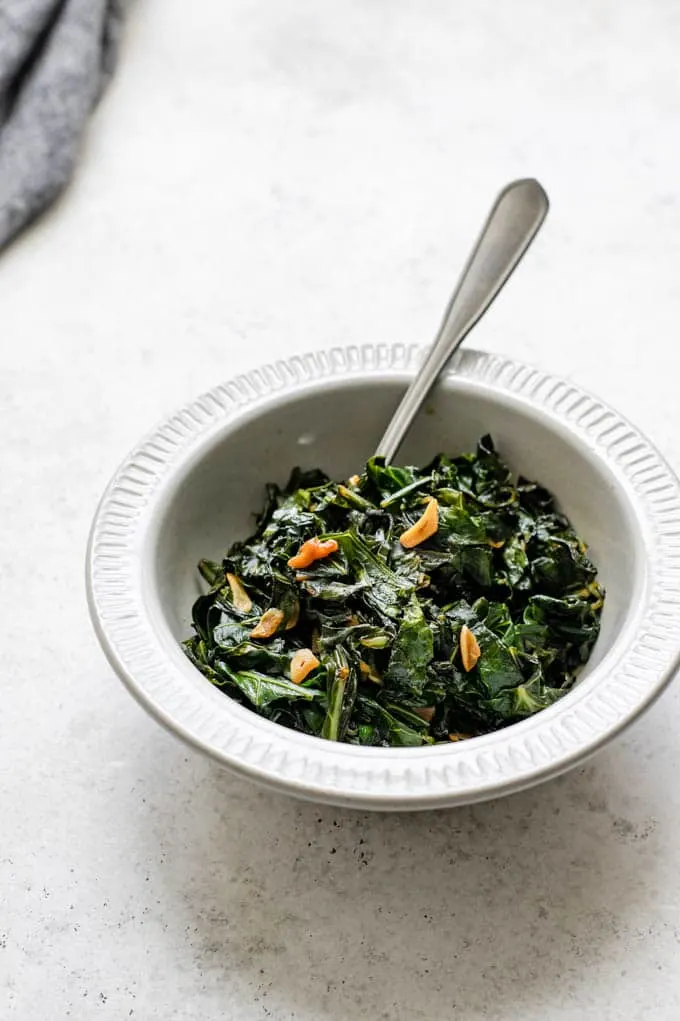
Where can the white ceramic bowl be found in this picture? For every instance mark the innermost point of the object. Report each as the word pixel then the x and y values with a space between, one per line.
pixel 190 489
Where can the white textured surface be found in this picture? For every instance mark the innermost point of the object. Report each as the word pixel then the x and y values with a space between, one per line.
pixel 269 178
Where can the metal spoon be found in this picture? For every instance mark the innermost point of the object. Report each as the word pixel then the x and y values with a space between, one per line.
pixel 511 226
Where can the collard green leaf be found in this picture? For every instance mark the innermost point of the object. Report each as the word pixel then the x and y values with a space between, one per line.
pixel 477 565
pixel 385 480
pixel 334 591
pixel 385 591
pixel 263 689
pixel 497 666
pixel 524 700
pixel 231 632
pixel 386 728
pixel 210 571
pixel 267 657
pixel 412 651
pixel 559 567
pixel 457 527
pixel 515 558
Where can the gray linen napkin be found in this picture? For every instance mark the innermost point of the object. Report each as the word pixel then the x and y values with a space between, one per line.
pixel 55 58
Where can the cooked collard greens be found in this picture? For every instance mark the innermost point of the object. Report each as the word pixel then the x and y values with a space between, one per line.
pixel 405 606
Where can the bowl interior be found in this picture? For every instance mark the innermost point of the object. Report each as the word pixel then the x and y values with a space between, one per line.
pixel 335 426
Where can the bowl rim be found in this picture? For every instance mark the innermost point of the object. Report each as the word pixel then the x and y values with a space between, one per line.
pixel 644 657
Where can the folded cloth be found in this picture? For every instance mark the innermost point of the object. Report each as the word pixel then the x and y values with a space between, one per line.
pixel 55 58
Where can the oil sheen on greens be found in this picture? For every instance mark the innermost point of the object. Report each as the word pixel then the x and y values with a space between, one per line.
pixel 385 622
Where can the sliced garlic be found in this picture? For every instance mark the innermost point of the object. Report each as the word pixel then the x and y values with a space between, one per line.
pixel 424 528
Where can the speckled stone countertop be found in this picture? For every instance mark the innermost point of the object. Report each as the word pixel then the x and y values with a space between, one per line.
pixel 261 179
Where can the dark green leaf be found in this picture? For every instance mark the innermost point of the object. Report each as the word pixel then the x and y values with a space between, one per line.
pixel 412 651
pixel 262 689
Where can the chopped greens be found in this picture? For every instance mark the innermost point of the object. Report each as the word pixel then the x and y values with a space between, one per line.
pixel 403 607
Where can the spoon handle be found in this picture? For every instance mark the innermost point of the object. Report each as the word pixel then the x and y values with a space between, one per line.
pixel 510 228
